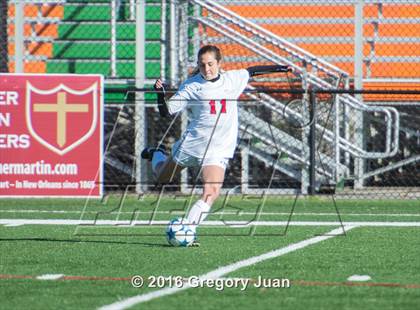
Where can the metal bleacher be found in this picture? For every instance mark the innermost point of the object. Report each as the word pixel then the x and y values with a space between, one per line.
pixel 326 29
pixel 264 32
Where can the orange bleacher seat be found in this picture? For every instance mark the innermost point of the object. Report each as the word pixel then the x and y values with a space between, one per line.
pixel 41 30
pixel 399 30
pixel 348 67
pixel 333 49
pixel 302 30
pixel 397 49
pixel 396 69
pixel 35 48
pixel 319 30
pixel 29 10
pixel 401 10
pixel 32 10
pixel 30 67
pixel 299 11
pixel 325 49
pixel 390 97
pixel 53 11
pixel 239 50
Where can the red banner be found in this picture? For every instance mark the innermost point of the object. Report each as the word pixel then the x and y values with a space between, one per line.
pixel 51 135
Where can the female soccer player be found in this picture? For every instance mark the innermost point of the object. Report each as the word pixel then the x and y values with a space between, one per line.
pixel 211 136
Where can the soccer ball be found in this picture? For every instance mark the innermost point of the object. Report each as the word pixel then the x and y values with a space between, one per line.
pixel 179 232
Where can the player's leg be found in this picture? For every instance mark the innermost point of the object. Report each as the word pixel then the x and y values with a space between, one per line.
pixel 163 166
pixel 166 170
pixel 213 176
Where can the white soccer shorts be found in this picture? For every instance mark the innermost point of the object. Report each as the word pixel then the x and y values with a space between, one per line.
pixel 186 160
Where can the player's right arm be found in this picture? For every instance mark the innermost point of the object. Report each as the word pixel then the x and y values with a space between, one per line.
pixel 175 104
pixel 161 101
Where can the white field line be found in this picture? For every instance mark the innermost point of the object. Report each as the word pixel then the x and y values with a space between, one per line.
pixel 216 213
pixel 222 271
pixel 231 224
pixel 50 276
pixel 359 278
pixel 13 225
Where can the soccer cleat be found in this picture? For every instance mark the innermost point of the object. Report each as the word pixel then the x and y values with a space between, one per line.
pixel 194 244
pixel 147 153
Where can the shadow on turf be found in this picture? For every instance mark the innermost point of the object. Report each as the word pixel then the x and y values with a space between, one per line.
pixel 87 241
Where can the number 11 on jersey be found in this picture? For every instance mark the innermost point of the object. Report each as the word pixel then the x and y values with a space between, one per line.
pixel 213 106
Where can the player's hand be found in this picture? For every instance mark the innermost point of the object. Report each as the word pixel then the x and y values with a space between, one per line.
pixel 158 84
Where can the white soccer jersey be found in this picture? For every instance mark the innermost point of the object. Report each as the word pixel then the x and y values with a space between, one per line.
pixel 213 127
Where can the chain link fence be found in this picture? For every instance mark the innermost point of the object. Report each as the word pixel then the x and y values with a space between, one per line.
pixel 78 36
pixel 303 143
pixel 335 45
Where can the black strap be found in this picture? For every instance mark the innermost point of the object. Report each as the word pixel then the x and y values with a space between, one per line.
pixel 161 102
pixel 258 70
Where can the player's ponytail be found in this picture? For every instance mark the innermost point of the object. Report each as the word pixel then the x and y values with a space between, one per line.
pixel 194 71
pixel 207 49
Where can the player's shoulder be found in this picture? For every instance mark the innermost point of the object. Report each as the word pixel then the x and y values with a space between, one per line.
pixel 192 83
pixel 236 73
pixel 196 78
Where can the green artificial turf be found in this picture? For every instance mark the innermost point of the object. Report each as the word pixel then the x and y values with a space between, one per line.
pixel 98 260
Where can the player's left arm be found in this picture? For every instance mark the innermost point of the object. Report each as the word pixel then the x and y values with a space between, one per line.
pixel 259 70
